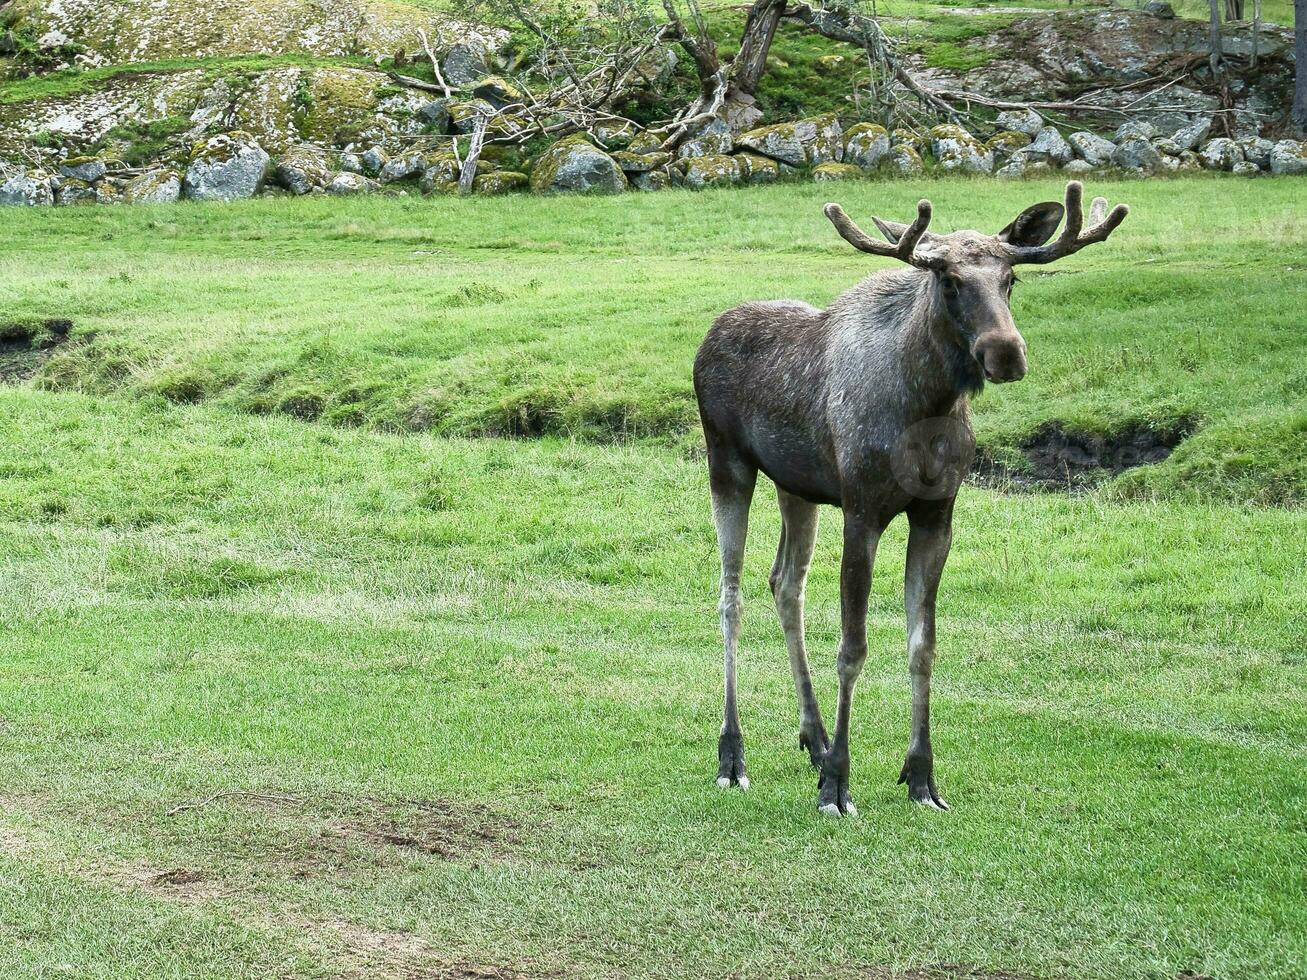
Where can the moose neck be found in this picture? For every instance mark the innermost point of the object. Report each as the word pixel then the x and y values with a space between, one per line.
pixel 937 369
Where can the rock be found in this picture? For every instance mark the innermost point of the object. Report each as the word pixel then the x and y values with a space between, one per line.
pixel 374 160
pixel 301 171
pixel 1136 128
pixel 351 163
pixel 1162 10
pixel 463 115
pixel 463 65
pixel 645 143
pixel 616 136
pixel 909 138
pixel 441 174
pixel 711 171
pixel 1094 150
pixel 1257 151
pixel 74 191
pixel 399 168
pixel 1078 167
pixel 573 164
pixel 830 170
pixel 955 149
pixel 1289 157
pixel 1189 161
pixel 1050 147
pixel 154 187
pixel 1026 121
pixel 904 160
pixel 1220 154
pixel 865 145
pixel 1191 137
pixel 108 193
pixel 1167 147
pixel 634 163
pixel 757 170
pixel 499 92
pixel 435 115
pixel 498 182
pixel 1244 168
pixel 805 141
pixel 652 180
pixel 1014 169
pixel 26 189
pixel 89 169
pixel 713 139
pixel 1135 152
pixel 227 167
pixel 347 183
pixel 1007 144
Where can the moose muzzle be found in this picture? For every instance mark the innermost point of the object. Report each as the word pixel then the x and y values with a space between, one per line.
pixel 1002 355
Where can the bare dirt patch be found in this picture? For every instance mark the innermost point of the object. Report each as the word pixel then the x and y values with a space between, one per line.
pixel 27 344
pixel 1059 458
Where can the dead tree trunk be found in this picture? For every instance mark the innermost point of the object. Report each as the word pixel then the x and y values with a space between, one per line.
pixel 1214 38
pixel 1234 9
pixel 759 29
pixel 467 174
pixel 1300 66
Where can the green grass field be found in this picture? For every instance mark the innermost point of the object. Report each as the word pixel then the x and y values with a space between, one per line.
pixel 307 671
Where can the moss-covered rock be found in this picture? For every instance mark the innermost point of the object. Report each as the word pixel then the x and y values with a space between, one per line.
pixel 1004 145
pixel 634 163
pixel 714 170
pixel 498 91
pixel 302 171
pixel 617 136
pixel 440 175
pixel 401 167
pixel 347 184
pixel 645 143
pixel 87 168
pixel 226 167
pixel 756 169
pixel 866 145
pixel 574 164
pixel 154 187
pixel 956 149
pixel 805 141
pixel 903 160
pixel 74 191
pixel 1289 157
pixel 27 189
pixel 499 182
pixel 830 170
pixel 652 180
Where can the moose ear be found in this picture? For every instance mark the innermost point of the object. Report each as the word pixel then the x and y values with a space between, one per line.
pixel 892 230
pixel 1033 226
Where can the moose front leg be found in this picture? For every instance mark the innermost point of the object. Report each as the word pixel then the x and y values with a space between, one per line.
pixel 928 546
pixel 860 540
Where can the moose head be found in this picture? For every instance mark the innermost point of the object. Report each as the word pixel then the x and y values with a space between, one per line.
pixel 973 272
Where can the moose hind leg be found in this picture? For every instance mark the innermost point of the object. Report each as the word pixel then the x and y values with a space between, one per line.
pixel 788 579
pixel 732 492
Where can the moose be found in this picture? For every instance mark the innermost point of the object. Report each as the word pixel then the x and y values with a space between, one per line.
pixel 864 406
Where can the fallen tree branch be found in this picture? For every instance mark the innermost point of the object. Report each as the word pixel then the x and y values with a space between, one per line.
pixel 408 81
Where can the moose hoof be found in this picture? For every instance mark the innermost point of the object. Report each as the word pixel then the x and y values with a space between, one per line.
pixel 920 777
pixel 730 761
pixel 813 740
pixel 833 797
pixel 833 809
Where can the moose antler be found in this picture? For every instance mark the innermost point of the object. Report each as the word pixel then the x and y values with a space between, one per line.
pixel 903 249
pixel 1072 239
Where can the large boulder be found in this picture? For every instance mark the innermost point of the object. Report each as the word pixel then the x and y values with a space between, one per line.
pixel 74 191
pixel 1191 137
pixel 441 174
pixel 955 149
pixel 402 167
pixel 89 169
pixel 1134 128
pixel 1245 168
pixel 904 160
pixel 574 164
pixel 712 139
pixel 435 115
pixel 1289 157
pixel 757 170
pixel 716 170
pixel 373 160
pixel 865 145
pixel 226 167
pixel 830 170
pixel 463 64
pixel 1049 147
pixel 805 141
pixel 638 163
pixel 1026 121
pixel 1135 152
pixel 302 171
pixel 346 184
pixel 651 180
pixel 1007 144
pixel 153 187
pixel 498 182
pixel 1094 150
pixel 27 189
pixel 1257 151
pixel 1220 154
